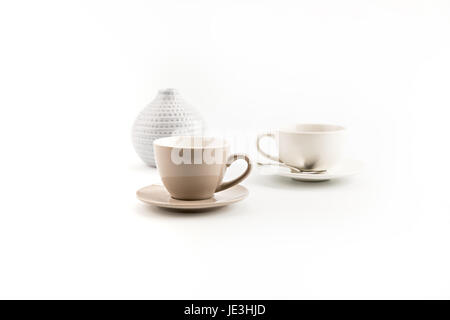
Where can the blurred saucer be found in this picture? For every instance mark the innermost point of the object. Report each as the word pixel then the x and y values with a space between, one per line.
pixel 344 169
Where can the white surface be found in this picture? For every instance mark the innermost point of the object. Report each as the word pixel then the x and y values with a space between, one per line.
pixel 74 76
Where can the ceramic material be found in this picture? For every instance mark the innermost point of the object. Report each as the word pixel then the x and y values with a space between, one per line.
pixel 309 147
pixel 193 167
pixel 167 115
pixel 157 195
pixel 344 169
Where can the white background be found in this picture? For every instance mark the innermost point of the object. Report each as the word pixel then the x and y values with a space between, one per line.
pixel 75 74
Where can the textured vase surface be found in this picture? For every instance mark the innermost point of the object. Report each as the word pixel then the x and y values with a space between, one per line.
pixel 167 115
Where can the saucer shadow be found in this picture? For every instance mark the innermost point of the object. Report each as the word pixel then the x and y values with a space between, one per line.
pixel 277 182
pixel 146 209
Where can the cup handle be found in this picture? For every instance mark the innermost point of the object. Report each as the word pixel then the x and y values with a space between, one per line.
pixel 260 136
pixel 231 159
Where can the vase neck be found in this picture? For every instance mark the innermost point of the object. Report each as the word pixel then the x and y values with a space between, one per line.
pixel 168 91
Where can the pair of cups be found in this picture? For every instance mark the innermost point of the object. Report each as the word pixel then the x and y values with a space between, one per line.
pixel 193 167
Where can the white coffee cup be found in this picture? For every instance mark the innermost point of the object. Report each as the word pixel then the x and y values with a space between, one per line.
pixel 308 147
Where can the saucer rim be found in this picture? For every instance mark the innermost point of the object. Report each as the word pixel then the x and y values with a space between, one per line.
pixel 194 204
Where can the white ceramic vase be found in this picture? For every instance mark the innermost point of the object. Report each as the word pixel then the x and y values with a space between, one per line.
pixel 167 115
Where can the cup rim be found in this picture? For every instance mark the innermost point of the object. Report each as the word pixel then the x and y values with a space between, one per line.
pixel 330 128
pixel 168 142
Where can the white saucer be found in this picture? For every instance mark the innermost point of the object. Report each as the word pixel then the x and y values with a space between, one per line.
pixel 157 195
pixel 344 169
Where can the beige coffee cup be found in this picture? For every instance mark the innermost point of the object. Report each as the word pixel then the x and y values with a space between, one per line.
pixel 193 167
pixel 308 147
